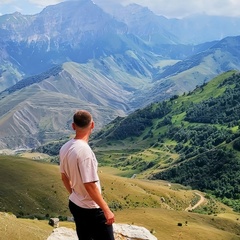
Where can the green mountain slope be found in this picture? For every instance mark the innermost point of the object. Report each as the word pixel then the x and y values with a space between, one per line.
pixel 191 139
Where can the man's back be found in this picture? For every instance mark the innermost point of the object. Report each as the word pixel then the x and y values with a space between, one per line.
pixel 78 162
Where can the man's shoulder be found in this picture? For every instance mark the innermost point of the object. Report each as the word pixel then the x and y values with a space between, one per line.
pixel 66 144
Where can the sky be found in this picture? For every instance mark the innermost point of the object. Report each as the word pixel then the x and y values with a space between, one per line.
pixel 167 8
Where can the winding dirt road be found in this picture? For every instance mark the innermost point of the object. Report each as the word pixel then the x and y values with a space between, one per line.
pixel 202 199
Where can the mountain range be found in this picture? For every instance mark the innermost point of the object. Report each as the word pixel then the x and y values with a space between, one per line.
pixel 111 61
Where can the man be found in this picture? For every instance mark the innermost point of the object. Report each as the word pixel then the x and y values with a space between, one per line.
pixel 78 166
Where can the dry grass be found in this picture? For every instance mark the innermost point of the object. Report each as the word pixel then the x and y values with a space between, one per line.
pixel 31 188
pixel 155 205
pixel 12 228
pixel 163 223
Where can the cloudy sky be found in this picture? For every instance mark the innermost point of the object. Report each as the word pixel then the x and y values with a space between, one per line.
pixel 167 8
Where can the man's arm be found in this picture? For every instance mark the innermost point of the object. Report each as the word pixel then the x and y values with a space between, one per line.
pixel 96 196
pixel 66 183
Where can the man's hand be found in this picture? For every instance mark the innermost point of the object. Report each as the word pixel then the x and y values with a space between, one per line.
pixel 67 183
pixel 97 197
pixel 109 217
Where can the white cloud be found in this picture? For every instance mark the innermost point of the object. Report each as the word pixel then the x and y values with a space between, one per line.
pixel 178 8
pixel 168 8
pixel 6 2
pixel 45 3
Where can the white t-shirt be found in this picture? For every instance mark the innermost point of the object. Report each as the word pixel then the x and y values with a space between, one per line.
pixel 79 164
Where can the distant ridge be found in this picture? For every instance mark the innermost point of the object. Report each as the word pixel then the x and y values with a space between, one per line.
pixel 32 80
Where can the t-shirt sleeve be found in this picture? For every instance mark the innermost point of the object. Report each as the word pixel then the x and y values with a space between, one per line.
pixel 62 155
pixel 88 167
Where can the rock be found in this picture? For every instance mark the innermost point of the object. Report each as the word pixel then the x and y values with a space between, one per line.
pixel 54 222
pixel 121 232
pixel 63 233
pixel 131 232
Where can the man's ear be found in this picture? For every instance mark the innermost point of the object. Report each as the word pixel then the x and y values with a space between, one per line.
pixel 93 125
pixel 73 126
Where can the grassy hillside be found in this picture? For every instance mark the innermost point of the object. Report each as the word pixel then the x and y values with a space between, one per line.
pixel 191 139
pixel 30 188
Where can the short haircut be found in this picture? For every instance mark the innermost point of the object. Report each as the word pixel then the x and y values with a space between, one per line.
pixel 82 118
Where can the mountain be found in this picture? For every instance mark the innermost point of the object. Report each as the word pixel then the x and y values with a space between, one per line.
pixel 109 87
pixel 77 54
pixel 185 75
pixel 78 31
pixel 194 29
pixel 81 30
pixel 40 109
pixel 145 24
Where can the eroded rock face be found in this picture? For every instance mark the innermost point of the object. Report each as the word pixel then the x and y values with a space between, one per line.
pixel 121 232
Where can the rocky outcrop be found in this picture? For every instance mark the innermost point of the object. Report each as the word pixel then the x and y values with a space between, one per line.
pixel 54 222
pixel 121 232
pixel 131 232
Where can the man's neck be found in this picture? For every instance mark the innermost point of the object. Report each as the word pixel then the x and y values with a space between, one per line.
pixel 82 137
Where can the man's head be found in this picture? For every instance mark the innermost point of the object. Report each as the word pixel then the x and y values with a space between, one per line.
pixel 82 119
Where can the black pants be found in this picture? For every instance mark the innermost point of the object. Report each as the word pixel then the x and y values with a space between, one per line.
pixel 90 223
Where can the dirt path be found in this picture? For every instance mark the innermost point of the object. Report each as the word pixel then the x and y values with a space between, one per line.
pixel 202 199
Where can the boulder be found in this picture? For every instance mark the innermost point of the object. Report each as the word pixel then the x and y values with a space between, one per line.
pixel 121 232
pixel 63 233
pixel 54 222
pixel 131 232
